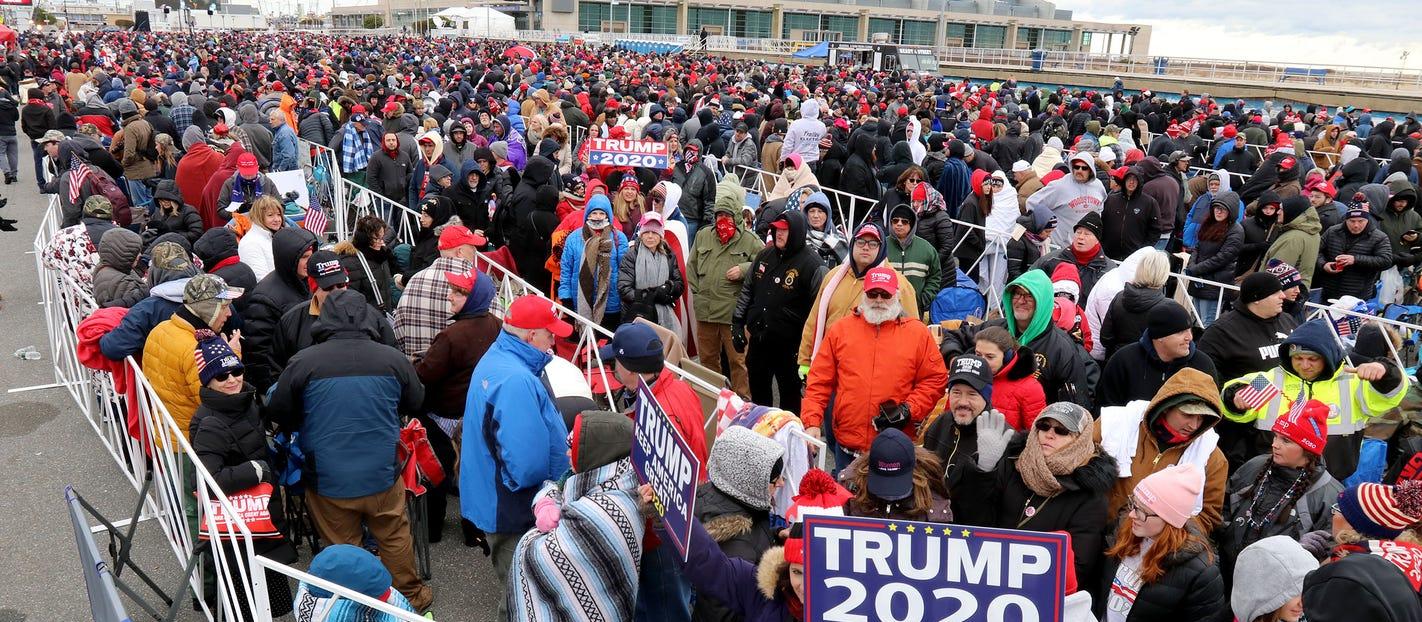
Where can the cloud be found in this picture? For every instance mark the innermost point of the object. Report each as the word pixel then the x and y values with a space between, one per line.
pixel 1299 32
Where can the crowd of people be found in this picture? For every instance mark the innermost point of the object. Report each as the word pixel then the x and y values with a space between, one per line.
pixel 989 335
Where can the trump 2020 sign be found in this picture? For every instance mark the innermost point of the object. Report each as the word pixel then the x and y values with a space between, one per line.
pixel 634 153
pixel 863 570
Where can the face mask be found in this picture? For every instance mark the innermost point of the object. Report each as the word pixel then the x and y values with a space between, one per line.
pixel 725 228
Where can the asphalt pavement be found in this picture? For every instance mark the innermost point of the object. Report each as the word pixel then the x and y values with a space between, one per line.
pixel 46 444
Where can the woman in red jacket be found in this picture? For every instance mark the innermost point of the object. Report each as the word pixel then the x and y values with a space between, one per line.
pixel 1015 390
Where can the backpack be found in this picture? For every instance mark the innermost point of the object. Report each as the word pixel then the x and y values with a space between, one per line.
pixel 149 149
pixel 959 301
pixel 100 183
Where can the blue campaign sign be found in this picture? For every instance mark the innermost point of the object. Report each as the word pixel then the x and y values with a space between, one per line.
pixel 634 153
pixel 663 459
pixel 860 569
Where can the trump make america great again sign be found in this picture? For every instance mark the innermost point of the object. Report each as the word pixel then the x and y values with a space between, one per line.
pixel 862 570
pixel 663 459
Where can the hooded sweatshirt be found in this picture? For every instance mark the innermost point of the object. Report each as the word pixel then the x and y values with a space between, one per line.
pixel 803 136
pixel 1069 200
pixel 115 283
pixel 840 294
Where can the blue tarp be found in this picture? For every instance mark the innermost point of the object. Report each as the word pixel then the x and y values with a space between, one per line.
pixel 819 50
pixel 648 47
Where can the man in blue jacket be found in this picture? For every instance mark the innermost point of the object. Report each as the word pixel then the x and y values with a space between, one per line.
pixel 344 396
pixel 514 437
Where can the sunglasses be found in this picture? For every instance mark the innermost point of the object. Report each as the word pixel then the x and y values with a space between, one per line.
pixel 914 180
pixel 1044 425
pixel 1080 168
pixel 1135 507
pixel 224 376
pixel 335 287
pixel 878 294
pixel 899 221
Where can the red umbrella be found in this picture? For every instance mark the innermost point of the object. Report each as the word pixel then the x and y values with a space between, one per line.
pixel 8 36
pixel 520 51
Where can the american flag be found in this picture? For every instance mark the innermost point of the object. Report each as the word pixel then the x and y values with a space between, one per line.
pixel 1296 410
pixel 1259 392
pixel 78 174
pixel 315 220
pixel 728 405
pixel 1346 325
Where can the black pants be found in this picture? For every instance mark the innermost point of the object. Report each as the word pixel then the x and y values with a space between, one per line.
pixel 437 497
pixel 774 358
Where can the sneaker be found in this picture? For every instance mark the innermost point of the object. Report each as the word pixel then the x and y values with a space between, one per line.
pixel 8 225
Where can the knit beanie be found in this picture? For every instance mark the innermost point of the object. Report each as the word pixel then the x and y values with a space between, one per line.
pixel 1091 222
pixel 1379 510
pixel 819 495
pixel 214 356
pixel 1173 494
pixel 741 464
pixel 1288 275
pixel 1307 428
pixel 1258 286
pixel 1166 319
pixel 1294 206
pixel 1274 569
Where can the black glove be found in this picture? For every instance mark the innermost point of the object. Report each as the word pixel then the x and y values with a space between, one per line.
pixel 738 338
pixel 891 415
pixel 474 537
pixel 663 294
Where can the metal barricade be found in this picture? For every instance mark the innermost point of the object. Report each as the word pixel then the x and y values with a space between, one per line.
pixel 323 179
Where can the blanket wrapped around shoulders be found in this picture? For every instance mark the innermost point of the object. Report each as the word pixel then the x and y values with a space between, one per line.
pixel 586 568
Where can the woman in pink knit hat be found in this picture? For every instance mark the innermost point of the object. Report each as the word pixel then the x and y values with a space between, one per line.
pixel 1159 565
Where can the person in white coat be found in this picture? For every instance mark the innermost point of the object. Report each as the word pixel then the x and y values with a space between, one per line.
pixel 255 247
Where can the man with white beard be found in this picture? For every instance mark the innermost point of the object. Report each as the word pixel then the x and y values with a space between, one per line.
pixel 882 366
pixel 969 437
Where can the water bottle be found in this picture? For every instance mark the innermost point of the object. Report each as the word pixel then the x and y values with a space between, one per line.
pixel 28 353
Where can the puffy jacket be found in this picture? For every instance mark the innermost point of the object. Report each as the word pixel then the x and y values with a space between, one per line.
pixel 183 220
pixel 227 435
pixel 514 438
pixel 316 126
pixel 1371 251
pixel 1297 244
pixel 272 296
pixel 170 367
pixel 571 264
pixel 1016 393
pixel 1309 511
pixel 936 227
pixel 389 176
pixel 1151 455
pixel 1191 590
pixel 839 295
pixel 863 366
pixel 643 302
pixel 858 178
pixel 217 248
pixel 1215 260
pixel 1131 221
pixel 345 395
pixel 1355 402
pixel 1125 321
pixel 713 296
pixel 115 283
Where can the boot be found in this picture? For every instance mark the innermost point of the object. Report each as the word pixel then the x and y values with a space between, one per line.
pixel 10 178
pixel 8 225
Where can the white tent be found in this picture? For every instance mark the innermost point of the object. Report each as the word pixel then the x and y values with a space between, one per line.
pixel 476 22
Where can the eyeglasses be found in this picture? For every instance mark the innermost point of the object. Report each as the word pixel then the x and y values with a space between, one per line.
pixel 335 287
pixel 1044 425
pixel 878 294
pixel 1080 168
pixel 224 376
pixel 866 243
pixel 1136 507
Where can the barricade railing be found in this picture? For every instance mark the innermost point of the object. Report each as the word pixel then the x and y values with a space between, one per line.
pixel 1263 150
pixel 156 458
pixel 292 573
pixel 849 208
pixel 323 178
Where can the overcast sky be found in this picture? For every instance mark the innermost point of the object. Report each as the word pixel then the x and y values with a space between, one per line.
pixel 1303 31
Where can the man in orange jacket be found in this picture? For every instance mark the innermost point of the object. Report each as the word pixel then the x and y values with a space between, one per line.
pixel 882 367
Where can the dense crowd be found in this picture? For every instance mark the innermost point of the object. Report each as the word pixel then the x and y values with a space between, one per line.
pixel 990 335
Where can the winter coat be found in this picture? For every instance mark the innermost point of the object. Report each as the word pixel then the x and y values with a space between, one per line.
pixel 217 249
pixel 1125 322
pixel 514 438
pixel 526 219
pixel 1158 183
pixel 642 303
pixel 316 127
pixel 741 533
pixel 698 193
pixel 1215 260
pixel 272 296
pixel 1131 221
pixel 1016 393
pixel 1308 512
pixel 296 332
pixel 1079 509
pixel 450 360
pixel 1062 365
pixel 1371 251
pixel 169 365
pixel 389 176
pixel 713 296
pixel 936 228
pixel 1135 372
pixel 757 591
pixel 1258 236
pixel 183 220
pixel 228 435
pixel 138 136
pixel 1090 273
pixel 858 178
pixel 36 119
pixel 844 298
pixel 1149 454
pixel 379 279
pixel 918 262
pixel 1192 589
pixel 115 282
pixel 571 264
pixel 743 153
pixel 345 395
pixel 1297 244
pixel 780 286
pixel 957 446
pixel 1395 223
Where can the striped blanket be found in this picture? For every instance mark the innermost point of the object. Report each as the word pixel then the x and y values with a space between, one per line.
pixel 586 568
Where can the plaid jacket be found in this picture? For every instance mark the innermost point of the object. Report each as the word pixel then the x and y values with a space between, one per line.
pixel 423 310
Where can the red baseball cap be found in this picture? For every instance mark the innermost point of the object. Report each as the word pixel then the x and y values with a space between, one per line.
pixel 533 312
pixel 462 280
pixel 780 223
pixel 455 236
pixel 869 231
pixel 247 164
pixel 881 278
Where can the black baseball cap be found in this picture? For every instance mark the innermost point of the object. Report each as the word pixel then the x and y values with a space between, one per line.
pixel 891 464
pixel 972 370
pixel 325 268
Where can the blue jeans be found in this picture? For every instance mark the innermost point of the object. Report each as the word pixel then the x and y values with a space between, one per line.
pixel 663 594
pixel 1207 309
pixel 10 154
pixel 139 195
pixel 37 150
pixel 691 227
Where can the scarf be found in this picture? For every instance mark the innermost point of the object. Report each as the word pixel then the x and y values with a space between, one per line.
pixel 653 270
pixel 725 229
pixel 1040 471
pixel 243 187
pixel 595 275
pixel 1083 258
pixel 393 153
